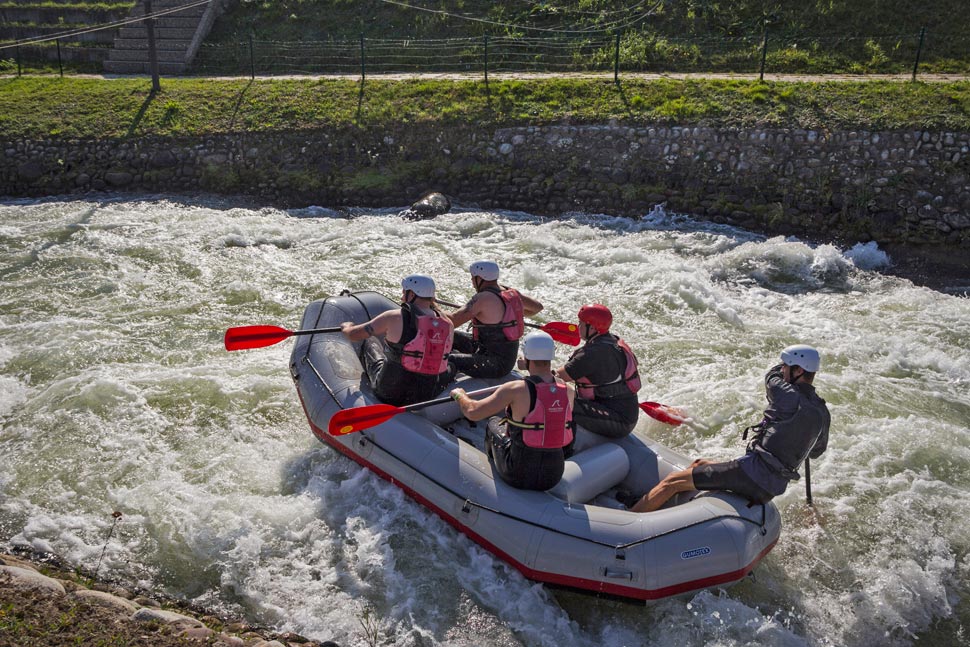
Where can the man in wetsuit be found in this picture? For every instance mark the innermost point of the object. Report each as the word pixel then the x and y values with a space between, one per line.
pixel 497 315
pixel 405 350
pixel 606 376
pixel 795 426
pixel 526 445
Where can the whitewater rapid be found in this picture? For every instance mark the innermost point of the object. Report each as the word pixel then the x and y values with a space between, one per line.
pixel 116 394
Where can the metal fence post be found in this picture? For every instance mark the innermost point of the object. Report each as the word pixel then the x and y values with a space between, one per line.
pixel 616 60
pixel 152 52
pixel 486 58
pixel 252 59
pixel 764 51
pixel 60 64
pixel 919 50
pixel 18 61
pixel 363 66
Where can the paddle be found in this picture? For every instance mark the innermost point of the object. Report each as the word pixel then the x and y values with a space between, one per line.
pixel 348 421
pixel 663 413
pixel 808 482
pixel 242 337
pixel 562 332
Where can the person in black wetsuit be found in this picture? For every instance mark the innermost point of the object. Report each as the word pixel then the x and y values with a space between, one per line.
pixel 497 315
pixel 526 445
pixel 606 376
pixel 795 426
pixel 405 351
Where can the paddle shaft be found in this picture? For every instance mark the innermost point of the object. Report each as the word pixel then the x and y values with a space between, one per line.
pixel 348 421
pixel 561 331
pixel 314 331
pixel 808 481
pixel 430 403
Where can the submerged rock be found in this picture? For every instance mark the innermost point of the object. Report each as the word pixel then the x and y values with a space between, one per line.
pixel 428 206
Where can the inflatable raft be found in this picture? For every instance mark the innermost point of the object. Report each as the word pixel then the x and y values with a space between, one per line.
pixel 575 535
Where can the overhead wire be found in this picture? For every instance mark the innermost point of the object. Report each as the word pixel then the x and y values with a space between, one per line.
pixel 102 26
pixel 599 29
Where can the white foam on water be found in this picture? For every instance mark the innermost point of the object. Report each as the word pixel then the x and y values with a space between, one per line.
pixel 116 394
pixel 868 256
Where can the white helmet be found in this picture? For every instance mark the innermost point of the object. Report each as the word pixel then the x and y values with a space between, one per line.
pixel 801 355
pixel 538 346
pixel 421 285
pixel 488 270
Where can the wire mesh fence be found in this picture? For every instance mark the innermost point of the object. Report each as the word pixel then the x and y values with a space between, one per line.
pixel 631 53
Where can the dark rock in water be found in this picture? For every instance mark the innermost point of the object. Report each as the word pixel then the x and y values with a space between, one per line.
pixel 430 205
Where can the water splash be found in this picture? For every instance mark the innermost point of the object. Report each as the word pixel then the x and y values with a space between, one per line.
pixel 115 393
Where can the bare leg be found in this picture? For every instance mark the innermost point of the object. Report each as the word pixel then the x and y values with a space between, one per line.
pixel 673 483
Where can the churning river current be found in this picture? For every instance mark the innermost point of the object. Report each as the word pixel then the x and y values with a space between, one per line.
pixel 116 394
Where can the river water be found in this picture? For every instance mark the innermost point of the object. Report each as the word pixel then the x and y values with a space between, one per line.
pixel 116 394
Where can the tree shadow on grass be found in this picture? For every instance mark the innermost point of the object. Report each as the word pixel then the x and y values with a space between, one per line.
pixel 239 100
pixel 141 113
pixel 623 99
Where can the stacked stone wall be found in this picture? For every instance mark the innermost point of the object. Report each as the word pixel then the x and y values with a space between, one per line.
pixel 908 187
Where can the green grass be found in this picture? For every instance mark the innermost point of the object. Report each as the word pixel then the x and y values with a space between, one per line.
pixel 95 108
pixel 804 35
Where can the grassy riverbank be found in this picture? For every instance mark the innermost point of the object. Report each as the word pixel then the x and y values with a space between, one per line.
pixel 39 107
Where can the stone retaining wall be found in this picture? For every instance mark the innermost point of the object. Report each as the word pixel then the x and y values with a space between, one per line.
pixel 908 187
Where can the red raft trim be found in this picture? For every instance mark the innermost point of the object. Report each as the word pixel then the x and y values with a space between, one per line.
pixel 578 583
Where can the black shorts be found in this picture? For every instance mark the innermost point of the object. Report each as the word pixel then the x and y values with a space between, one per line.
pixel 729 476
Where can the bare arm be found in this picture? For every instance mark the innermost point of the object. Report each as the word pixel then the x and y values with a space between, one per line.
pixel 467 312
pixel 495 403
pixel 376 326
pixel 530 307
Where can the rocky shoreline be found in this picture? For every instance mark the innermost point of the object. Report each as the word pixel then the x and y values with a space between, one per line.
pixel 43 603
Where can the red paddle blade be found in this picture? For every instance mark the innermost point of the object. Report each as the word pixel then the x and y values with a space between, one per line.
pixel 243 337
pixel 663 413
pixel 359 418
pixel 562 332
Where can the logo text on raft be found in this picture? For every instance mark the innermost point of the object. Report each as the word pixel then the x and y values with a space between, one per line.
pixel 695 552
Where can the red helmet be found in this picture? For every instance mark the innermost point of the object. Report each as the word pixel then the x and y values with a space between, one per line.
pixel 598 316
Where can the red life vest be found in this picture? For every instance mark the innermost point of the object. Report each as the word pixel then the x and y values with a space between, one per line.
pixel 549 424
pixel 427 352
pixel 631 376
pixel 513 320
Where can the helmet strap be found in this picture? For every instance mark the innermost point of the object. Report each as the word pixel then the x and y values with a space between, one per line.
pixel 791 373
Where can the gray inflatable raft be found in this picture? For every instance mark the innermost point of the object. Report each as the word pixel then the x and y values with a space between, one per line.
pixel 575 535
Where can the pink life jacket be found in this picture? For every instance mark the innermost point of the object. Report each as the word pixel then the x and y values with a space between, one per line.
pixel 631 376
pixel 427 352
pixel 549 424
pixel 513 320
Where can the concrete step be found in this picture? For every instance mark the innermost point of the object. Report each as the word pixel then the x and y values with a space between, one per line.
pixel 134 67
pixel 168 33
pixel 17 32
pixel 198 10
pixel 160 45
pixel 57 15
pixel 31 3
pixel 169 22
pixel 166 55
pixel 74 54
